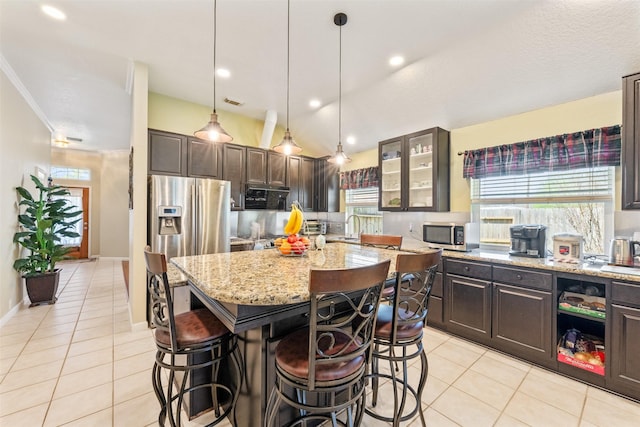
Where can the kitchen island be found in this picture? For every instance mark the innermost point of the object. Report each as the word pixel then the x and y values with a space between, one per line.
pixel 261 296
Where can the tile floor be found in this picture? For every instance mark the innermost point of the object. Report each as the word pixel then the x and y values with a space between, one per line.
pixel 77 363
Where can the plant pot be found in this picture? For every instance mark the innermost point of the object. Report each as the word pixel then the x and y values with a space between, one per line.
pixel 42 288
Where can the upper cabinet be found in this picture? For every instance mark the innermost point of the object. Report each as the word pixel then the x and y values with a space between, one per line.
pixel 300 180
pixel 181 155
pixel 233 159
pixel 327 186
pixel 414 172
pixel 256 166
pixel 631 142
pixel 314 183
pixel 276 168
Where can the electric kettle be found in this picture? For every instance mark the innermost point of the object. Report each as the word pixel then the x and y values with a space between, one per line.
pixel 622 251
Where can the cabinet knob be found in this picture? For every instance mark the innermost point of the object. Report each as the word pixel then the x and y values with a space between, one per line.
pixel 466 269
pixel 519 277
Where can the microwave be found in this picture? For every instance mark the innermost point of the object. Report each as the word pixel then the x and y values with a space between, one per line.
pixel 266 197
pixel 451 236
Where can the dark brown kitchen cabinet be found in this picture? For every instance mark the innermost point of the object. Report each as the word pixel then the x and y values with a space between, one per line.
pixel 468 299
pixel 202 158
pixel 435 316
pixel 256 166
pixel 521 317
pixel 414 172
pixel 276 169
pixel 300 181
pixel 182 155
pixel 631 142
pixel 624 353
pixel 327 186
pixel 233 161
pixel 167 153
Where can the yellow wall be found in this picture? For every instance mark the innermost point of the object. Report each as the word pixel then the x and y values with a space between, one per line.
pixel 597 111
pixel 175 115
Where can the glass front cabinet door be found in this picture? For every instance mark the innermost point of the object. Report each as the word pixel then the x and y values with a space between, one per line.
pixel 415 172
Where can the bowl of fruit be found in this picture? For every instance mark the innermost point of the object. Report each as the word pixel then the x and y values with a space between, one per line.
pixel 292 245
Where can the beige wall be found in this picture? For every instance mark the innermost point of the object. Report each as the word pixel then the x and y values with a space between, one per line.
pixel 175 115
pixel 114 204
pixel 24 144
pixel 597 111
pixel 88 160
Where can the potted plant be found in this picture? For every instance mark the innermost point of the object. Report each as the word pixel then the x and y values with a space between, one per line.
pixel 45 221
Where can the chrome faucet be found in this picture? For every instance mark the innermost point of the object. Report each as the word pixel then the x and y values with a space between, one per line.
pixel 355 217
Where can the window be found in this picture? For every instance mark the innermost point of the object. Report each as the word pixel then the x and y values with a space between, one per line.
pixel 578 201
pixel 362 211
pixel 62 172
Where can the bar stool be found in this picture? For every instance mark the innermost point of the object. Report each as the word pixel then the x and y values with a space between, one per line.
pixel 185 343
pixel 320 370
pixel 399 326
pixel 384 241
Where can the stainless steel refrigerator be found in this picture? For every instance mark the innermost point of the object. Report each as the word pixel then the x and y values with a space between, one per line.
pixel 188 216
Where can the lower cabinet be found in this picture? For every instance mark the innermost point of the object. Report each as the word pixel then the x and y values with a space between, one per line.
pixel 522 323
pixel 436 312
pixel 468 307
pixel 624 366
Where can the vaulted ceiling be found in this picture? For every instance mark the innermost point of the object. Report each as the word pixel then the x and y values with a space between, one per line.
pixel 466 61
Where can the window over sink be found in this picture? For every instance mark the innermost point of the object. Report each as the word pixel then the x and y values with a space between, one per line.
pixel 579 201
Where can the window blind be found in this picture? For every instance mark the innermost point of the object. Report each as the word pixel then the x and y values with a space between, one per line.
pixel 362 196
pixel 585 184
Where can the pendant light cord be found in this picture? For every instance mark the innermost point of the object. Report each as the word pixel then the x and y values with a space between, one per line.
pixel 288 47
pixel 340 90
pixel 215 29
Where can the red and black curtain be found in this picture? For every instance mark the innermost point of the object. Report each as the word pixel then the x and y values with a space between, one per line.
pixel 585 149
pixel 359 178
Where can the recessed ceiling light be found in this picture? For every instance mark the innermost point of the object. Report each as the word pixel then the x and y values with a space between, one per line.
pixel 396 60
pixel 53 12
pixel 351 139
pixel 314 103
pixel 223 72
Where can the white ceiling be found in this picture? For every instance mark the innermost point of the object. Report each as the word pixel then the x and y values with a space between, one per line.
pixel 467 61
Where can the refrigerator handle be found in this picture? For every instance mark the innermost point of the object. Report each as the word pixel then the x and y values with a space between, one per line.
pixel 194 222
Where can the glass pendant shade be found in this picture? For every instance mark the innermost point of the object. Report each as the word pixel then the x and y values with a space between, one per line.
pixel 340 157
pixel 213 131
pixel 287 145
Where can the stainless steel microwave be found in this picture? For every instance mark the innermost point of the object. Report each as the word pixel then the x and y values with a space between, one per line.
pixel 451 236
pixel 266 197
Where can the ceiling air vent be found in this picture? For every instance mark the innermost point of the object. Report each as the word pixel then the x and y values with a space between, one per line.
pixel 233 102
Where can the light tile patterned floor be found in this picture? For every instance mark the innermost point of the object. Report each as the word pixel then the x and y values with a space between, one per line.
pixel 77 363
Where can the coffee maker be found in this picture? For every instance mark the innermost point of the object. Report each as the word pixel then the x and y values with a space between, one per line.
pixel 528 240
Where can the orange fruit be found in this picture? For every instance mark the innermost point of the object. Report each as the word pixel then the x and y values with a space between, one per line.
pixel 305 240
pixel 285 248
pixel 277 242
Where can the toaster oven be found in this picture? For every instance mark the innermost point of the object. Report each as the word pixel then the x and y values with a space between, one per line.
pixel 313 228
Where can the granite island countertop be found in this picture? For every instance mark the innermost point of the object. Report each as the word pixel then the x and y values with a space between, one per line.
pixel 586 268
pixel 268 278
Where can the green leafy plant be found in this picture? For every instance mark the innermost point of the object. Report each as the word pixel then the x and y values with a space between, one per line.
pixel 45 221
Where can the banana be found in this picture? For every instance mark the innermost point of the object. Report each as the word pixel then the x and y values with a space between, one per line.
pixel 299 220
pixel 293 220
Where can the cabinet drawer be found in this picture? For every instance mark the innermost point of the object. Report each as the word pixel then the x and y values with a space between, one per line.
pixel 469 269
pixel 526 278
pixel 625 293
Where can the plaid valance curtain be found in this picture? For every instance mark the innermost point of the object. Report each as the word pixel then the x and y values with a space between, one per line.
pixel 359 178
pixel 589 148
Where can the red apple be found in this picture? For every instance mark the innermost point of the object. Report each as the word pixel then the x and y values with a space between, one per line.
pixel 292 238
pixel 298 247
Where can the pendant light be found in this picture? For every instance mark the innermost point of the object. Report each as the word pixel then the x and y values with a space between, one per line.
pixel 340 157
pixel 213 131
pixel 288 145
